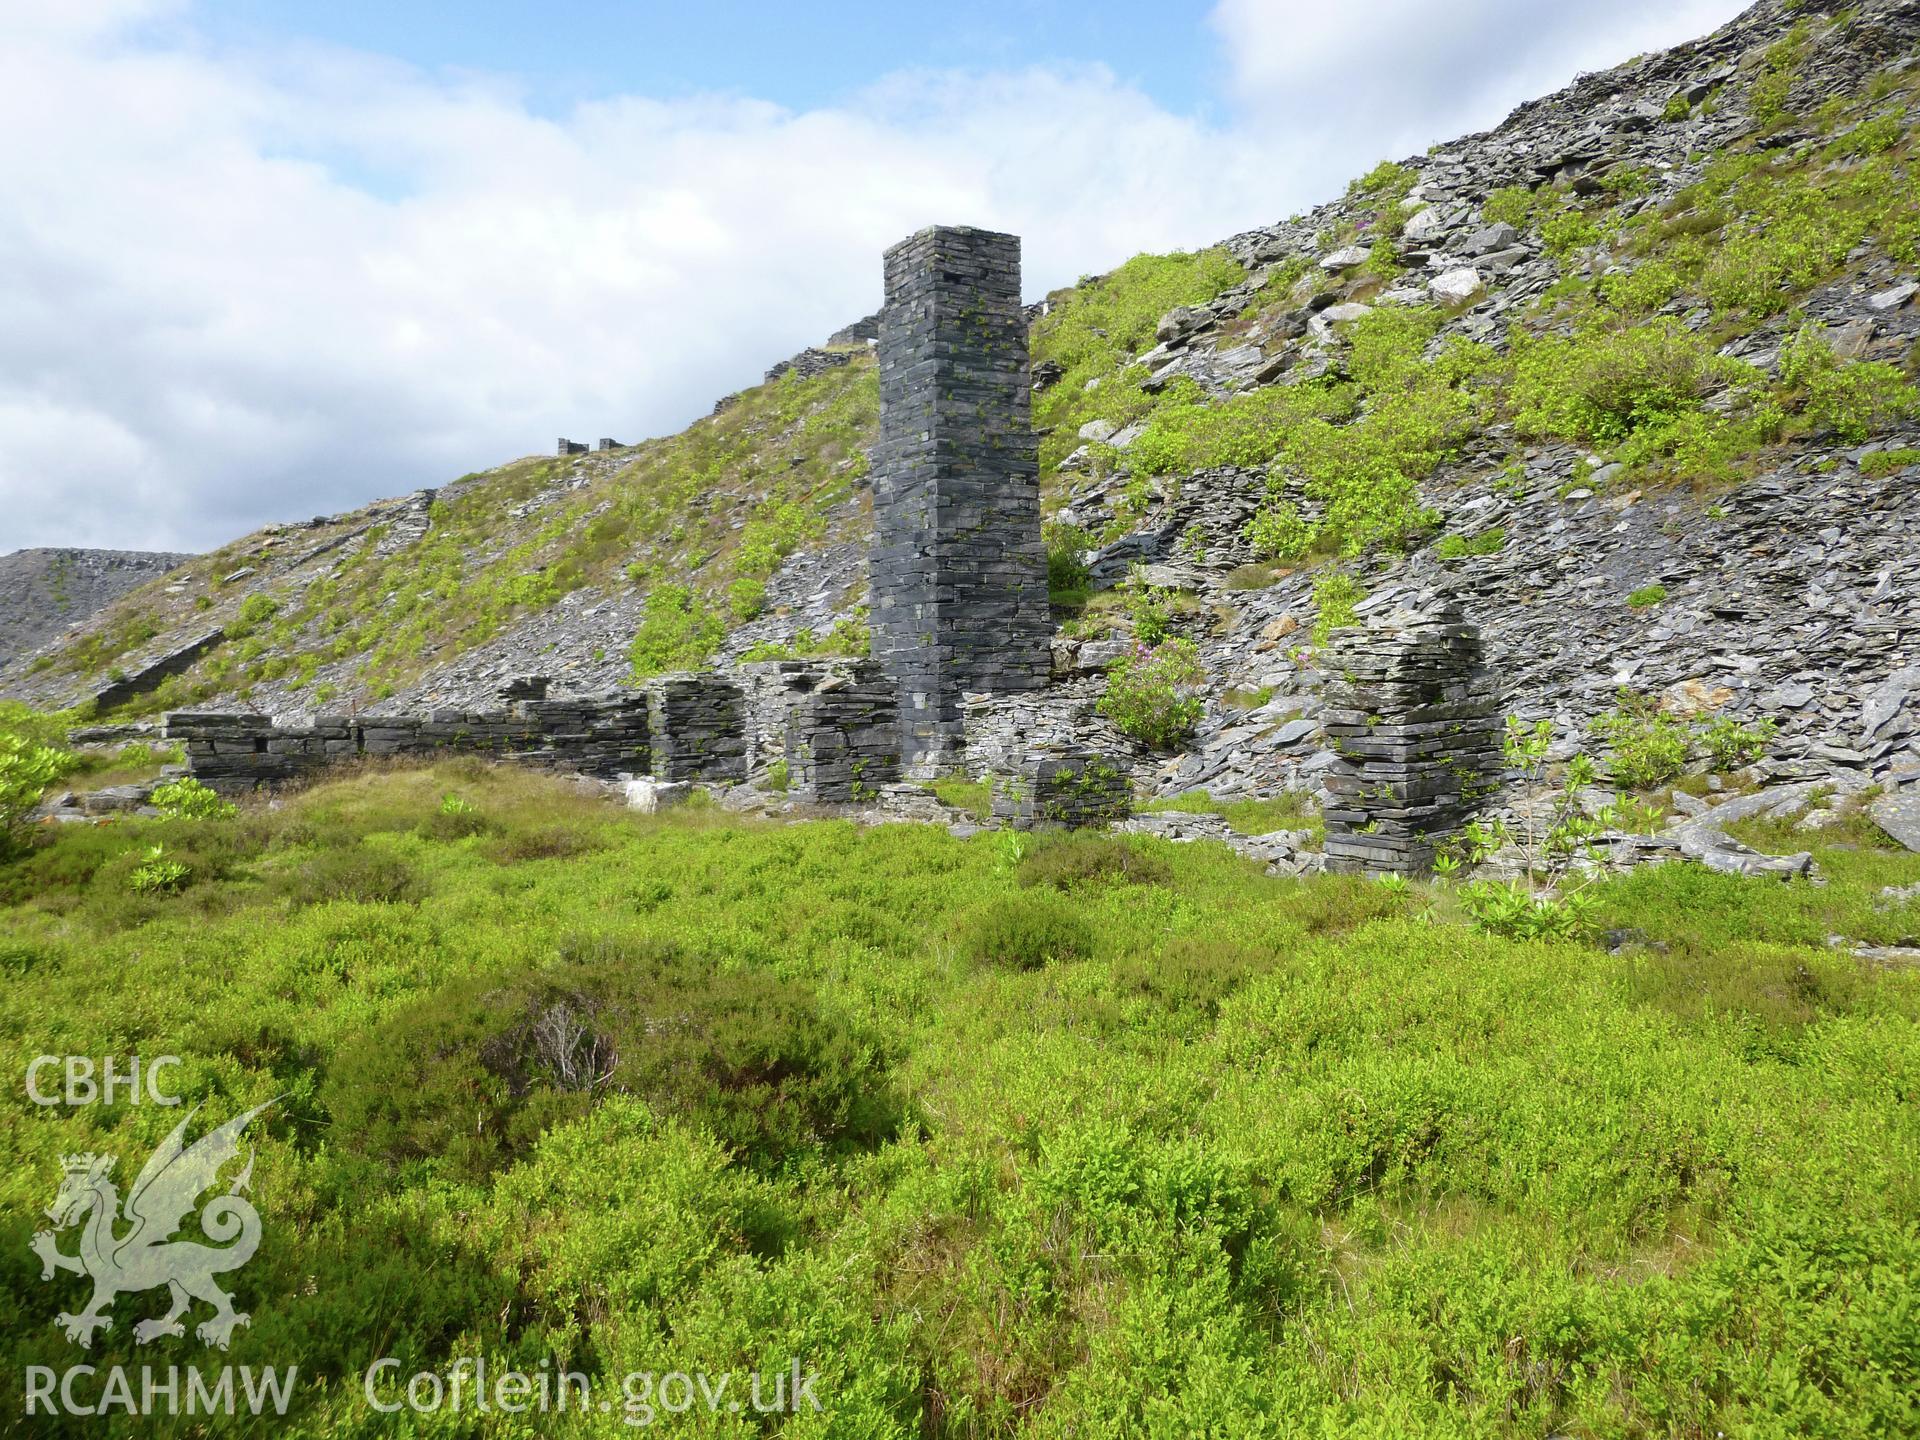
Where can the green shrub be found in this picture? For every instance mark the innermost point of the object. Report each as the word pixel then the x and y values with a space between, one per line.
pixel 1603 385
pixel 1730 744
pixel 1150 607
pixel 1886 462
pixel 676 633
pixel 746 597
pixel 1335 597
pixel 471 1074
pixel 1024 931
pixel 187 799
pixel 1457 547
pixel 1643 289
pixel 157 874
pixel 257 609
pixel 1510 204
pixel 26 769
pixel 1852 399
pixel 1515 912
pixel 1086 857
pixel 1151 694
pixel 1566 231
pixel 1192 972
pixel 1067 573
pixel 1645 747
pixel 354 873
pixel 1388 180
pixel 1647 596
pixel 1677 109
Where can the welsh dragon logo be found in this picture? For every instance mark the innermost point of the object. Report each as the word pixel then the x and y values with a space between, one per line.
pixel 146 1256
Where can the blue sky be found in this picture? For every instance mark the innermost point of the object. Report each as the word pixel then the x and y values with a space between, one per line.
pixel 797 55
pixel 261 261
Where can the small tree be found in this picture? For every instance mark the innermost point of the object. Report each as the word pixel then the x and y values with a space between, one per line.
pixel 1551 835
pixel 26 769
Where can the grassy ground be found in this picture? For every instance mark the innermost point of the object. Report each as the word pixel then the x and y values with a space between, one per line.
pixel 1117 1138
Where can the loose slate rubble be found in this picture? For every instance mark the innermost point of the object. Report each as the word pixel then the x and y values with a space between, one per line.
pixel 1412 718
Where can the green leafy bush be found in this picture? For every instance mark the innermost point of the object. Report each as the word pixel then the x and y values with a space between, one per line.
pixel 1852 399
pixel 1335 597
pixel 1151 694
pixel 1389 180
pixel 1603 385
pixel 187 799
pixel 1510 204
pixel 1024 931
pixel 1646 748
pixel 157 874
pixel 746 597
pixel 27 767
pixel 1457 547
pixel 1566 231
pixel 1647 596
pixel 1886 462
pixel 1513 911
pixel 256 610
pixel 1730 744
pixel 1643 289
pixel 676 633
pixel 1149 606
pixel 1067 573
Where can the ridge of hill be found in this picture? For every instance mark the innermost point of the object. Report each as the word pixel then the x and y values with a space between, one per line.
pixel 1632 372
pixel 45 592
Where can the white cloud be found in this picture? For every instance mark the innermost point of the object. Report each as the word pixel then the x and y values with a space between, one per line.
pixel 239 287
pixel 1403 74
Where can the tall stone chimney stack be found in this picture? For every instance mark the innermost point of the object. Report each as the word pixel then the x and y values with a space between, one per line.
pixel 958 575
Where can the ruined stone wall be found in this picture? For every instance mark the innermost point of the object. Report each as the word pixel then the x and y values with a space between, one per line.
pixel 834 724
pixel 1411 715
pixel 957 574
pixel 698 728
pixel 235 752
pixel 1067 790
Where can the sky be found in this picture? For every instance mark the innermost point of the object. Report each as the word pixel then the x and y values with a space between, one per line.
pixel 267 260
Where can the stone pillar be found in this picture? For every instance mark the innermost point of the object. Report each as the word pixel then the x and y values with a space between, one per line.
pixel 1411 714
pixel 958 573
pixel 698 727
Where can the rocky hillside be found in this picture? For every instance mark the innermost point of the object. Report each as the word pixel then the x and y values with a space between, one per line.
pixel 1632 373
pixel 45 593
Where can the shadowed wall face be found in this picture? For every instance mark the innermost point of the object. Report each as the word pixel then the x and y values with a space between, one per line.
pixel 958 574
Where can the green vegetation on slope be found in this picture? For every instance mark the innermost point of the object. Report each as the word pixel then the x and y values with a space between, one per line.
pixel 1123 1140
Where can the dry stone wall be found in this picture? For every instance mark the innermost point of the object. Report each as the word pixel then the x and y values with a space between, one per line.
pixel 1412 718
pixel 235 752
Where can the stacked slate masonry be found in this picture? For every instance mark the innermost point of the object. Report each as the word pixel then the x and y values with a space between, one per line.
pixel 958 574
pixel 604 736
pixel 1413 717
pixel 958 595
